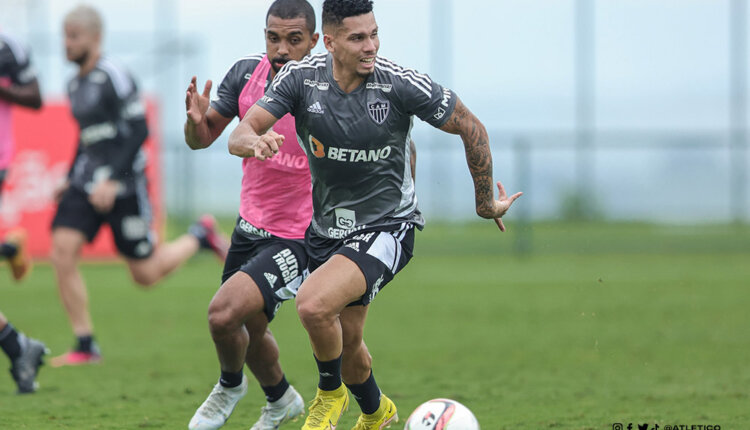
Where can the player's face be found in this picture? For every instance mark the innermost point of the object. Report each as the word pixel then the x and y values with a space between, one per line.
pixel 79 41
pixel 355 44
pixel 287 39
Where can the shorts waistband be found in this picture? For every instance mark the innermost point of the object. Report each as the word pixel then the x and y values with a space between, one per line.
pixel 246 227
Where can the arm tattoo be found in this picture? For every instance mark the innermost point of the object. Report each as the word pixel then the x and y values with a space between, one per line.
pixel 478 155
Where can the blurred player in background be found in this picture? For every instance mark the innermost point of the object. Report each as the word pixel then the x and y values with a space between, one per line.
pixel 267 258
pixel 107 184
pixel 18 86
pixel 353 113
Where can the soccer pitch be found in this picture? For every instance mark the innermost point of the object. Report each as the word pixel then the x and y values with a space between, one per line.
pixel 598 324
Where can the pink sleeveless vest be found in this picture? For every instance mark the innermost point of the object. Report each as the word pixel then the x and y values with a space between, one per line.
pixel 277 193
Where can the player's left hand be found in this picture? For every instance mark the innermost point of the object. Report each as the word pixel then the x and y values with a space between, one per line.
pixel 502 204
pixel 104 194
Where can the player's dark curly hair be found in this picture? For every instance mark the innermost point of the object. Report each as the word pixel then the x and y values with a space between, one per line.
pixel 289 9
pixel 334 11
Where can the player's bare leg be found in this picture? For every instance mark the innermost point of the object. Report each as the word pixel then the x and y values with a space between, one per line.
pixel 66 252
pixel 284 403
pixel 164 260
pixel 336 334
pixel 166 257
pixel 356 370
pixel 238 301
pixel 320 300
pixel 262 356
pixel 356 364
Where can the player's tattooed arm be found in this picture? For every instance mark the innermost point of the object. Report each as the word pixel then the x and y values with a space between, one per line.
pixel 253 136
pixel 479 159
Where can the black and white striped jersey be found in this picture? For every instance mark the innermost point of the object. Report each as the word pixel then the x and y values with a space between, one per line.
pixel 357 144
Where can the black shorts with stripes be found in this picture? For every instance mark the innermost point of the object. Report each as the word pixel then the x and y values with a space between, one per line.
pixel 379 254
pixel 276 265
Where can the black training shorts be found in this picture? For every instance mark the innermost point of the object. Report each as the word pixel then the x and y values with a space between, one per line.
pixel 129 219
pixel 378 254
pixel 275 264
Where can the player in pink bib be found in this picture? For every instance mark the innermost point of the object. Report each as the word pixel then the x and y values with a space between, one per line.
pixel 287 210
pixel 267 257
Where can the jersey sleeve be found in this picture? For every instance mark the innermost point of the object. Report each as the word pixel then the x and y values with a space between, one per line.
pixel 21 70
pixel 227 96
pixel 282 96
pixel 130 116
pixel 425 98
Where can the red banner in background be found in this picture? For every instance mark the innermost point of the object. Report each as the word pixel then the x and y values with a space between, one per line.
pixel 46 142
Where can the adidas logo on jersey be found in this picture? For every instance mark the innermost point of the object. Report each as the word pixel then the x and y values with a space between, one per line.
pixel 271 278
pixel 315 108
pixel 353 245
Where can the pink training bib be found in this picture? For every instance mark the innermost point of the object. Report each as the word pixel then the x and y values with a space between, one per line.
pixel 277 193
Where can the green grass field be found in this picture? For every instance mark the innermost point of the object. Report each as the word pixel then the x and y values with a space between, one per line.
pixel 597 324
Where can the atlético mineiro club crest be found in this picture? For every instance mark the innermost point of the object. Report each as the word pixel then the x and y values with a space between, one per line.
pixel 379 110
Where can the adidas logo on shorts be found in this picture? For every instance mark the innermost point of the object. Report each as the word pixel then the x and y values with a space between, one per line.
pixel 271 278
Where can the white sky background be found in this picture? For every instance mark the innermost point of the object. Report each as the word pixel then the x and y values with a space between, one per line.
pixel 660 65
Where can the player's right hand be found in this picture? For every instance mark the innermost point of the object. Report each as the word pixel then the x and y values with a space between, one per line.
pixel 196 105
pixel 267 145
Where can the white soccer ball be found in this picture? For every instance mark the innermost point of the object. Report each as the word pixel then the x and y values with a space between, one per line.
pixel 441 414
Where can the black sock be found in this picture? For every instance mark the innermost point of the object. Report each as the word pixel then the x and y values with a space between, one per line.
pixel 230 379
pixel 84 343
pixel 9 342
pixel 367 394
pixel 330 374
pixel 274 392
pixel 8 250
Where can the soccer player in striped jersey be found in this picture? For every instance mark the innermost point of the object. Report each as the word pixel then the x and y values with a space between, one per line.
pixel 107 184
pixel 353 113
pixel 18 86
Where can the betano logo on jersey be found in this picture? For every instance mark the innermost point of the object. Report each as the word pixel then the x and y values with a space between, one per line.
pixel 319 150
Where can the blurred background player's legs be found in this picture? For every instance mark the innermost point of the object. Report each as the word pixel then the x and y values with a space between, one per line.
pixel 66 252
pixel 25 354
pixel 165 258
